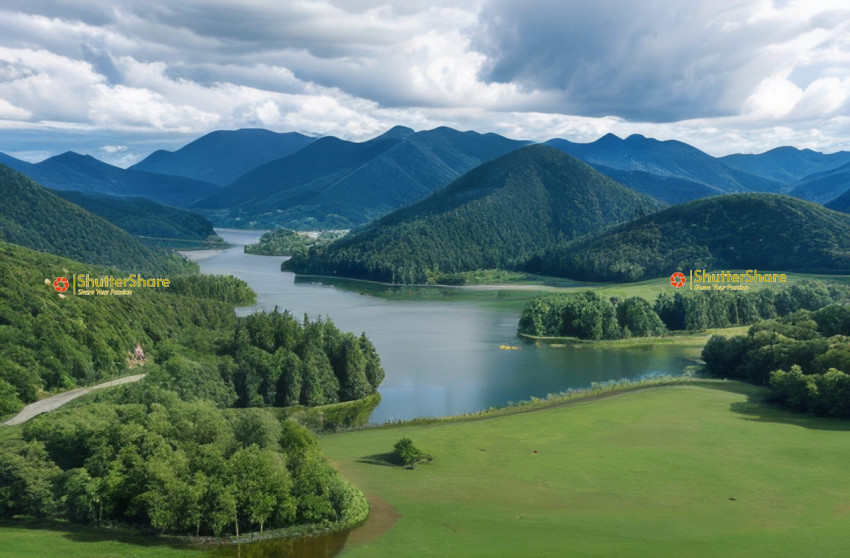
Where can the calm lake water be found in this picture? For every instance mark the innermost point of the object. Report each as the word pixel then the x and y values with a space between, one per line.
pixel 441 358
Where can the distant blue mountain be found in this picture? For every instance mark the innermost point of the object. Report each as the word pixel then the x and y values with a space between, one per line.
pixel 787 164
pixel 84 173
pixel 841 203
pixel 333 183
pixel 222 156
pixel 671 171
pixel 824 186
pixel 16 164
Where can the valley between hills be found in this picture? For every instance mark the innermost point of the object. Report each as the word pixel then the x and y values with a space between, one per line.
pixel 476 337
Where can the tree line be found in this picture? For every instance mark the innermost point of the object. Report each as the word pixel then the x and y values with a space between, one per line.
pixel 179 467
pixel 803 357
pixel 195 344
pixel 588 315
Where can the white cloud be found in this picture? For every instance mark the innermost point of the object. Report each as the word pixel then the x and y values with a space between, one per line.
pixel 724 75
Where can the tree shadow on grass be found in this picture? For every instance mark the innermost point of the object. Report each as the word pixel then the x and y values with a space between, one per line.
pixel 757 409
pixel 87 534
pixel 383 459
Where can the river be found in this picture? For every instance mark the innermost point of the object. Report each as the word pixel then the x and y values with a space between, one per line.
pixel 441 357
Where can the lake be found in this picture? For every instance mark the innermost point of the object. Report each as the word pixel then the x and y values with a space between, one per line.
pixel 440 357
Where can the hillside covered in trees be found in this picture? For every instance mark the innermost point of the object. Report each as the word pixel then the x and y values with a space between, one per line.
pixel 735 231
pixel 496 216
pixel 803 357
pixel 338 184
pixel 200 348
pixel 143 217
pixel 32 216
pixel 190 448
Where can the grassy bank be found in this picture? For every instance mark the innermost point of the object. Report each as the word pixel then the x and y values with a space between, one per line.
pixel 689 470
pixel 682 338
pixel 513 289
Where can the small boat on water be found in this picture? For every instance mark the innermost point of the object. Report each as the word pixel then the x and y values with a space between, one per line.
pixel 508 348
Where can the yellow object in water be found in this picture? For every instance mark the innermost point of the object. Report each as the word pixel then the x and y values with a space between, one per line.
pixel 508 347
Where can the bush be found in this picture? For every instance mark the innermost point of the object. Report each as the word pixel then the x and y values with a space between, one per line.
pixel 406 453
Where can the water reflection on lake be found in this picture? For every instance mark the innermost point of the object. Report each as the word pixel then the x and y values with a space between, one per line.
pixel 441 357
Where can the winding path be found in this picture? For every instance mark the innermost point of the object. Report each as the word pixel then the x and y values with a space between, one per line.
pixel 56 401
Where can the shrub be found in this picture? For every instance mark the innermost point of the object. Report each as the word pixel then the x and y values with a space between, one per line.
pixel 406 453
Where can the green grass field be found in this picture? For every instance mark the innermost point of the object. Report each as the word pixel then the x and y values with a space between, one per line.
pixel 704 469
pixel 696 470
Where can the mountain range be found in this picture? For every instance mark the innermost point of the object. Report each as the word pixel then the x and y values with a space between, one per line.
pixel 495 216
pixel 670 171
pixel 333 183
pixel 222 156
pixel 84 173
pixel 824 186
pixel 258 178
pixel 787 164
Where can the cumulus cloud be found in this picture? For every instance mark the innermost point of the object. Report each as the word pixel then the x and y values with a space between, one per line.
pixel 730 75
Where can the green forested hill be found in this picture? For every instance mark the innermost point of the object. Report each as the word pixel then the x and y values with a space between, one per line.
pixel 197 346
pixel 143 217
pixel 162 453
pixel 51 342
pixel 336 184
pixel 33 217
pixel 496 216
pixel 735 231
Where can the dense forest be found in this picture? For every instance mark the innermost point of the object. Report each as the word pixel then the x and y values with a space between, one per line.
pixel 496 216
pixel 143 217
pixel 186 449
pixel 735 231
pixel 32 216
pixel 176 466
pixel 286 242
pixel 804 358
pixel 589 316
pixel 199 347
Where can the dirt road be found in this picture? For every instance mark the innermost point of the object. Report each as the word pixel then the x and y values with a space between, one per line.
pixel 57 401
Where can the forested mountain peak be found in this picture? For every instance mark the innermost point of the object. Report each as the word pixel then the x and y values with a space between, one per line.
pixel 495 216
pixel 32 216
pixel 734 231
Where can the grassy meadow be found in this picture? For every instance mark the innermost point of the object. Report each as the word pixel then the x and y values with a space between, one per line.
pixel 701 469
pixel 511 290
pixel 693 470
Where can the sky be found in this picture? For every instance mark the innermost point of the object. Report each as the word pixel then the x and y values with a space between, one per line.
pixel 119 79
